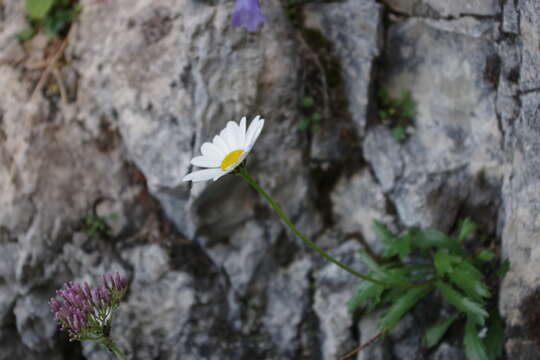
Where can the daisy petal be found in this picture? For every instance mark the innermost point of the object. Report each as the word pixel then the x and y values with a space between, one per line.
pixel 257 133
pixel 234 131
pixel 212 151
pixel 221 144
pixel 242 133
pixel 202 175
pixel 251 130
pixel 253 135
pixel 227 135
pixel 203 161
pixel 220 175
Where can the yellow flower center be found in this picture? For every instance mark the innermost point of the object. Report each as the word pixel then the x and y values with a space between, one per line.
pixel 230 159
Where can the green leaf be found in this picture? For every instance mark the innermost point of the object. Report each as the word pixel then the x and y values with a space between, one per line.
pixel 26 34
pixel 435 333
pixel 402 305
pixel 474 347
pixel 380 272
pixel 442 261
pixel 382 231
pixel 114 217
pixel 308 102
pixel 431 238
pixel 38 9
pixel 494 340
pixel 304 124
pixel 462 302
pixel 365 292
pixel 468 266
pixel 393 245
pixel 398 133
pixel 405 94
pixel 383 95
pixel 466 228
pixel 468 281
pixel 486 255
pixel 503 268
pixel 316 117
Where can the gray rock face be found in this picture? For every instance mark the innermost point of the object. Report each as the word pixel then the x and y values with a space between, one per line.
pixel 446 9
pixel 333 292
pixel 213 273
pixel 337 22
pixel 456 139
pixel 358 202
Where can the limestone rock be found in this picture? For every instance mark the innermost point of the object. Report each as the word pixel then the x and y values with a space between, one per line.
pixel 456 136
pixel 445 9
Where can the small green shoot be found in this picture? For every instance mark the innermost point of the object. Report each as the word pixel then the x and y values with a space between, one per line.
pixel 95 226
pixel 308 102
pixel 397 113
pixel 424 261
pixel 312 118
pixel 54 17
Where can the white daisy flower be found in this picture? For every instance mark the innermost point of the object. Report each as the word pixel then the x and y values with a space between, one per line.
pixel 226 151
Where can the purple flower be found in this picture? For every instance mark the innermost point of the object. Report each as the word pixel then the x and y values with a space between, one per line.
pixel 247 13
pixel 84 312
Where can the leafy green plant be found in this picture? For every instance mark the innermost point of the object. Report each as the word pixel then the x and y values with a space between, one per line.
pixel 95 225
pixel 397 113
pixel 53 16
pixel 425 261
pixel 312 119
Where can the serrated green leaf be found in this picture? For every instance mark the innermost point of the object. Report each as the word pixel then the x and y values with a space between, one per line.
pixel 38 9
pixel 468 266
pixel 470 282
pixel 365 292
pixel 474 347
pixel 431 238
pixel 485 255
pixel 380 272
pixel 435 333
pixel 383 233
pixel 466 228
pixel 442 261
pixel 394 245
pixel 403 246
pixel 462 302
pixel 402 305
pixel 494 340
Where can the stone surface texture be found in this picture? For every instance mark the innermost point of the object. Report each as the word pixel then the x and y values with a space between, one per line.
pixel 213 273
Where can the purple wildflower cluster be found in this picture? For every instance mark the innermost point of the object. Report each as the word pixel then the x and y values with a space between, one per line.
pixel 85 313
pixel 247 13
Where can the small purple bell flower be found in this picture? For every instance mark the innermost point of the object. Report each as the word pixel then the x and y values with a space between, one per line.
pixel 247 13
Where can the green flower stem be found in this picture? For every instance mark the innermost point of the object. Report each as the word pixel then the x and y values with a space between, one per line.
pixel 244 174
pixel 113 348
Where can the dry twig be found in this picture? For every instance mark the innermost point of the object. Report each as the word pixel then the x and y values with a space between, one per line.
pixel 51 64
pixel 364 345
